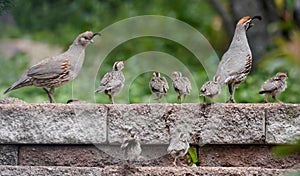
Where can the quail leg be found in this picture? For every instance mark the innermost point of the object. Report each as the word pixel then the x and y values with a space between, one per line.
pixel 230 88
pixel 50 94
pixel 266 99
pixel 174 162
pixel 112 99
pixel 275 98
pixel 179 98
pixel 204 100
pixel 184 96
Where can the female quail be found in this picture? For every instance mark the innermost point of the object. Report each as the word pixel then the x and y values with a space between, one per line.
pixel 274 86
pixel 182 85
pixel 158 85
pixel 58 70
pixel 112 82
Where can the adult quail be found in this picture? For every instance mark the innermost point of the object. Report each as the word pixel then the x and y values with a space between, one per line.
pixel 210 89
pixel 58 70
pixel 178 146
pixel 131 147
pixel 182 85
pixel 112 82
pixel 274 86
pixel 158 85
pixel 236 63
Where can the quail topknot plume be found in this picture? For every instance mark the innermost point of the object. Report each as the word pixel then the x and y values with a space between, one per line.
pixel 210 89
pixel 181 84
pixel 158 85
pixel 179 145
pixel 112 82
pixel 131 147
pixel 58 70
pixel 236 63
pixel 274 86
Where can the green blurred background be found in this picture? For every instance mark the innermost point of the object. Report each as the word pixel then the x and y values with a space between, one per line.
pixel 26 26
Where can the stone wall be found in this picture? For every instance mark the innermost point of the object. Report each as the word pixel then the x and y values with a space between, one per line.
pixel 88 136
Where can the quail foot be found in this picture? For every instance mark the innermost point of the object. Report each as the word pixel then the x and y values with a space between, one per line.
pixel 58 70
pixel 210 89
pixel 274 86
pixel 131 147
pixel 236 62
pixel 178 146
pixel 112 82
pixel 182 85
pixel 158 85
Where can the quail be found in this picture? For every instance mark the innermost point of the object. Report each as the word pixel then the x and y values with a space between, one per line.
pixel 181 84
pixel 131 147
pixel 210 89
pixel 58 70
pixel 178 146
pixel 158 85
pixel 113 81
pixel 274 86
pixel 236 63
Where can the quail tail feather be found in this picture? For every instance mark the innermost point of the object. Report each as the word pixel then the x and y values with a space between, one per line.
pixel 22 82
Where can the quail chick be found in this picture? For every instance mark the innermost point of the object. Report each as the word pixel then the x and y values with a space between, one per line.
pixel 58 70
pixel 210 89
pixel 274 86
pixel 178 146
pixel 131 148
pixel 113 81
pixel 236 63
pixel 182 85
pixel 158 85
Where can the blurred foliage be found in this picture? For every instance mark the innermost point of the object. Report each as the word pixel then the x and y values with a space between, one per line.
pixel 58 22
pixel 192 156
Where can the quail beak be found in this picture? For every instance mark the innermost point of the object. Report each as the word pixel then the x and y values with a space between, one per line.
pixel 250 23
pixel 97 33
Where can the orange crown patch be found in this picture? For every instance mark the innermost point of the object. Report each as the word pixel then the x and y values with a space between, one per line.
pixel 244 19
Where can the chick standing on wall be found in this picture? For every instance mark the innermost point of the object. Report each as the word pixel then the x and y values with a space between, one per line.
pixel 210 89
pixel 158 85
pixel 131 147
pixel 274 86
pixel 236 63
pixel 113 81
pixel 181 84
pixel 178 146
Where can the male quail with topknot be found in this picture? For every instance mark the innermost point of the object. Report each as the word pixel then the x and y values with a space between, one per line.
pixel 274 86
pixel 58 70
pixel 236 63
pixel 158 85
pixel 181 84
pixel 112 82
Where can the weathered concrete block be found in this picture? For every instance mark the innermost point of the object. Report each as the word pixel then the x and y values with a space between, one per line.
pixel 52 123
pixel 245 156
pixel 8 155
pixel 146 119
pixel 282 123
pixel 233 124
pixel 88 155
pixel 159 171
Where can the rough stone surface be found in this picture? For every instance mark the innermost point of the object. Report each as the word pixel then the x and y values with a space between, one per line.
pixel 86 123
pixel 52 123
pixel 245 156
pixel 282 123
pixel 87 156
pixel 145 119
pixel 8 155
pixel 163 171
pixel 11 100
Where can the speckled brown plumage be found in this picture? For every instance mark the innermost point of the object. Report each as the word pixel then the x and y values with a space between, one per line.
pixel 58 70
